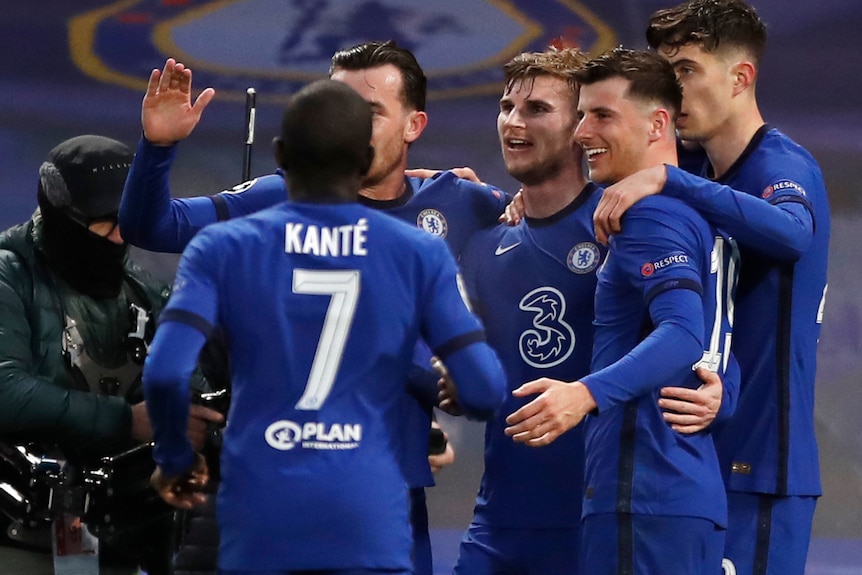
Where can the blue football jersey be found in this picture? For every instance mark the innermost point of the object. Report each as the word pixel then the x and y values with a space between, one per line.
pixel 322 306
pixel 663 304
pixel 445 206
pixel 533 287
pixel 773 201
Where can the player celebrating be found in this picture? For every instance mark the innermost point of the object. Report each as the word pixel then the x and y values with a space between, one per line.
pixel 533 286
pixel 390 79
pixel 770 195
pixel 653 498
pixel 311 470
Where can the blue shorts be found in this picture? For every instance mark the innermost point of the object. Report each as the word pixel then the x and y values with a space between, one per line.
pixel 767 534
pixel 500 551
pixel 629 544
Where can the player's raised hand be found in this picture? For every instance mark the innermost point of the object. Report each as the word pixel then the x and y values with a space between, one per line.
pixel 167 112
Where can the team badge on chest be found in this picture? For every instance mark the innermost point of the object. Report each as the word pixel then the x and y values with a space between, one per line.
pixel 432 222
pixel 583 258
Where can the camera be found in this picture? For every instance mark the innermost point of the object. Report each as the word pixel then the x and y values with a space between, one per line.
pixel 111 497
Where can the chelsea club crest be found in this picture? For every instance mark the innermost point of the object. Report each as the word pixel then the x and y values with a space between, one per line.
pixel 432 222
pixel 583 258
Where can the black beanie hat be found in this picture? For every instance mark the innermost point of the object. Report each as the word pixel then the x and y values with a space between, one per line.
pixel 85 175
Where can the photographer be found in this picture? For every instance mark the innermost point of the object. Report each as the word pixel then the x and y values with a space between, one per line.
pixel 76 318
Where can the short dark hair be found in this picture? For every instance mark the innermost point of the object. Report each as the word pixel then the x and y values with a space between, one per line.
pixel 325 133
pixel 712 24
pixel 651 77
pixel 375 54
pixel 560 64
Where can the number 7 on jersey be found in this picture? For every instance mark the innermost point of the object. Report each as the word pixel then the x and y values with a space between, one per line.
pixel 343 287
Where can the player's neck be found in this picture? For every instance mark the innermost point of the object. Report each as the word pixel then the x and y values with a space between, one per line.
pixel 389 188
pixel 661 151
pixel 546 198
pixel 727 145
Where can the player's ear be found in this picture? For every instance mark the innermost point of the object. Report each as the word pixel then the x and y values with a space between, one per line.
pixel 278 152
pixel 744 74
pixel 416 123
pixel 368 160
pixel 660 123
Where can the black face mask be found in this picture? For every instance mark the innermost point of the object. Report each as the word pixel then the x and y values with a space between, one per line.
pixel 89 263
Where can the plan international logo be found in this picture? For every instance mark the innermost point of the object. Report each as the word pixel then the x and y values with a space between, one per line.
pixel 277 46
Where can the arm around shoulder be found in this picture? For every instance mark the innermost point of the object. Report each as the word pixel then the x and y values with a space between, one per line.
pixel 782 230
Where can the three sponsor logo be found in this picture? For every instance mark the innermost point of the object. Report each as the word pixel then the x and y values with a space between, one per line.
pixel 550 340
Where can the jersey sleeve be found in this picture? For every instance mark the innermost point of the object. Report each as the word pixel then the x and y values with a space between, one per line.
pixel 457 337
pixel 779 223
pixel 659 261
pixel 490 203
pixel 663 358
pixel 486 201
pixel 184 326
pixel 729 390
pixel 422 379
pixel 470 264
pixel 250 197
pixel 151 219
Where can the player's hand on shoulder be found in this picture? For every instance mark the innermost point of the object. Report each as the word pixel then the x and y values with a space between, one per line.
pixel 515 210
pixel 618 198
pixel 421 173
pixel 465 173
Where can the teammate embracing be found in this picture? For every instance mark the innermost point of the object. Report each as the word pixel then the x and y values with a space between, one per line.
pixel 390 79
pixel 769 193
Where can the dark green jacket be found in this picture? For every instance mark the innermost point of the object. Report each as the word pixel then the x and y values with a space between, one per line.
pixel 40 400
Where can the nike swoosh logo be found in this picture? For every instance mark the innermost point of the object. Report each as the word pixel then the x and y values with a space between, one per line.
pixel 501 250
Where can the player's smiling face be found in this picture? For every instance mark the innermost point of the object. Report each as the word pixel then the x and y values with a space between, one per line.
pixel 536 128
pixel 613 130
pixel 392 129
pixel 707 80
